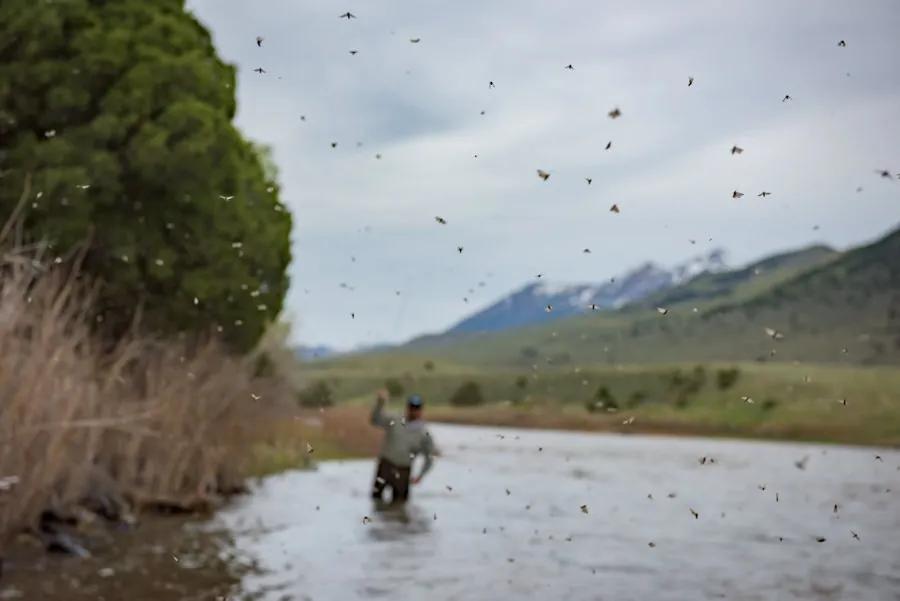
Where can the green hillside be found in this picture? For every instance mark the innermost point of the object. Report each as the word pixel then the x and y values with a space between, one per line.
pixel 827 307
pixel 745 283
pixel 691 370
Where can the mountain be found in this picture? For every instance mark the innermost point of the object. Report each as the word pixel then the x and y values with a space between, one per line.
pixel 810 305
pixel 742 283
pixel 528 305
pixel 311 353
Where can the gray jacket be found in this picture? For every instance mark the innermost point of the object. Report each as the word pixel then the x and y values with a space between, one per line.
pixel 402 440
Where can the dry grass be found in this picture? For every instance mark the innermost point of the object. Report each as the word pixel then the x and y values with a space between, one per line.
pixel 332 433
pixel 142 423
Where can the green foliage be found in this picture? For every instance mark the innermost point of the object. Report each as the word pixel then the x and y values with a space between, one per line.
pixel 529 353
pixel 121 113
pixel 394 387
pixel 317 394
pixel 467 395
pixel 686 385
pixel 521 382
pixel 428 365
pixel 636 398
pixel 603 401
pixel 726 378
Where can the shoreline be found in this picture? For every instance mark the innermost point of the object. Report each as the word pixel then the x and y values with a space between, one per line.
pixel 613 423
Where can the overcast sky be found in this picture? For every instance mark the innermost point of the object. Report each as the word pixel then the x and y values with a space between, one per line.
pixel 670 169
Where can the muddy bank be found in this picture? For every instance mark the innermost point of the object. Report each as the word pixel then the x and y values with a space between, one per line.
pixel 165 558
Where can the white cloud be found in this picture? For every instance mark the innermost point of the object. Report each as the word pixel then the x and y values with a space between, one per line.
pixel 669 167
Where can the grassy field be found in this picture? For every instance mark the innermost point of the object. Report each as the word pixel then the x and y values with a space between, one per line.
pixel 788 401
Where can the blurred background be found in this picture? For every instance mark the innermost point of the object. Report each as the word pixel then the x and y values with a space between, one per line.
pixel 224 225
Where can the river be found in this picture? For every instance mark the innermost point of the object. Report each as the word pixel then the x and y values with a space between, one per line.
pixel 500 517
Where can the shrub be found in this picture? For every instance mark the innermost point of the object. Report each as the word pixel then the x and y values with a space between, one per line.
pixel 675 379
pixel 699 376
pixel 726 378
pixel 317 394
pixel 684 385
pixel 529 353
pixel 769 404
pixel 521 382
pixel 142 423
pixel 428 365
pixel 394 387
pixel 467 395
pixel 637 397
pixel 603 401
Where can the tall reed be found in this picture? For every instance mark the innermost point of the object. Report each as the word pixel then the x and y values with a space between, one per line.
pixel 135 423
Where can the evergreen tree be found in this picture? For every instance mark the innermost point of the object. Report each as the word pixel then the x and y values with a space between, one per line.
pixel 121 114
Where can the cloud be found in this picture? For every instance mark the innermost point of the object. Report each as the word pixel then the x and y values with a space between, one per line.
pixel 419 107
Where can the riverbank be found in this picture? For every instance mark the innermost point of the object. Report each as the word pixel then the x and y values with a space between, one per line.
pixel 98 430
pixel 299 439
pixel 163 558
pixel 828 403
pixel 635 422
pixel 179 556
pixel 344 432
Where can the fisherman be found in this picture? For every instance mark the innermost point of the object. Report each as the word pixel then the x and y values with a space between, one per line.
pixel 404 439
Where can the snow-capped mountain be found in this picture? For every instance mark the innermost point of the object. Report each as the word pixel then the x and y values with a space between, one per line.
pixel 528 305
pixel 310 353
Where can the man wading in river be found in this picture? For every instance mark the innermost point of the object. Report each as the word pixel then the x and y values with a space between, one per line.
pixel 403 440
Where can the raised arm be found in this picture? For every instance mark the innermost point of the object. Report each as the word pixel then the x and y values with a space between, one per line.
pixel 379 417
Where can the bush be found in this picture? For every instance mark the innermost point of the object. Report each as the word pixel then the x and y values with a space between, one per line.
pixel 726 378
pixel 467 395
pixel 603 401
pixel 699 378
pixel 769 404
pixel 428 365
pixel 317 394
pixel 521 382
pixel 529 353
pixel 394 387
pixel 684 385
pixel 637 397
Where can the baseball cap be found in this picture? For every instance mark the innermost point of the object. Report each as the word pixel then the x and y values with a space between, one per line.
pixel 414 400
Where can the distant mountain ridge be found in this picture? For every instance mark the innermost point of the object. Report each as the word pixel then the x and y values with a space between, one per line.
pixel 814 304
pixel 311 353
pixel 527 305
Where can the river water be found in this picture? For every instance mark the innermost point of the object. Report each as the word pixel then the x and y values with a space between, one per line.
pixel 500 517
